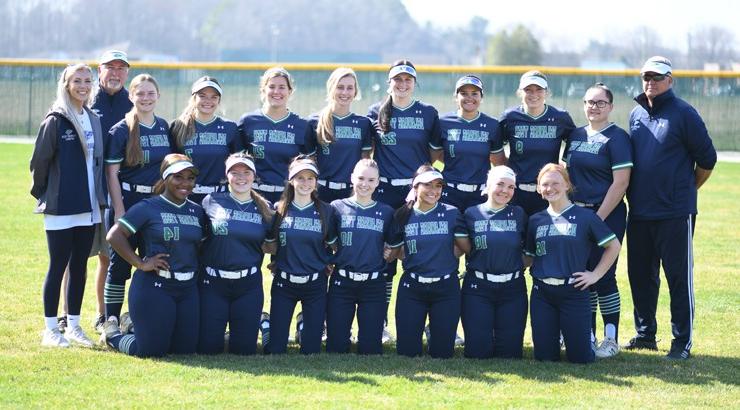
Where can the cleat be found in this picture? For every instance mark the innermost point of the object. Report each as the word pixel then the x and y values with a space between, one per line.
pixel 427 333
pixel 110 330
pixel 98 324
pixel 387 336
pixel 298 327
pixel 127 325
pixel 595 344
pixel 53 338
pixel 678 353
pixel 77 336
pixel 265 328
pixel 608 348
pixel 640 343
pixel 459 340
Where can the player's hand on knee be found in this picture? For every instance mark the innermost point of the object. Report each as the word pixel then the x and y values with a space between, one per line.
pixel 156 262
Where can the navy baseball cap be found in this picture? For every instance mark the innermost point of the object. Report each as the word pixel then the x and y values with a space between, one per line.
pixel 113 55
pixel 658 65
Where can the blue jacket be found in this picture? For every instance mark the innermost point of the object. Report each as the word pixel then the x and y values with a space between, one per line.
pixel 111 108
pixel 669 140
pixel 59 170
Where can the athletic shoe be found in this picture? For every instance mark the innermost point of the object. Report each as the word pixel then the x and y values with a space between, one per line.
pixel 77 335
pixel 62 323
pixel 678 353
pixel 595 344
pixel 110 330
pixel 427 333
pixel 98 324
pixel 323 333
pixel 53 338
pixel 127 325
pixel 459 340
pixel 265 328
pixel 640 343
pixel 387 336
pixel 608 348
pixel 298 327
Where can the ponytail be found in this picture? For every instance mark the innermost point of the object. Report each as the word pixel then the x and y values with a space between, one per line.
pixel 183 127
pixel 384 114
pixel 325 126
pixel 134 153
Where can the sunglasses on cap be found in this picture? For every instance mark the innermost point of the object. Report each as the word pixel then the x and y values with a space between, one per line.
pixel 655 77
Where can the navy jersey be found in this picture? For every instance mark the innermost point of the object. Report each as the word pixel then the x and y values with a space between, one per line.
pixel 274 143
pixel 301 246
pixel 155 143
pixel 467 145
pixel 237 230
pixel 668 141
pixel 534 141
pixel 592 156
pixel 561 244
pixel 162 226
pixel 209 147
pixel 414 130
pixel 497 237
pixel 111 108
pixel 429 239
pixel 353 134
pixel 362 233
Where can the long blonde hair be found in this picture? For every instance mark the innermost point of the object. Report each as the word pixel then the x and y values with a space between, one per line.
pixel 183 127
pixel 63 102
pixel 134 153
pixel 325 127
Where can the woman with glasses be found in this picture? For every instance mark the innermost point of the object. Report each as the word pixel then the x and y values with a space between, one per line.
pixel 599 159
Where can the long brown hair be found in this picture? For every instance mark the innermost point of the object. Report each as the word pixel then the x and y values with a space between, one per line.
pixel 325 126
pixel 384 112
pixel 134 153
pixel 402 214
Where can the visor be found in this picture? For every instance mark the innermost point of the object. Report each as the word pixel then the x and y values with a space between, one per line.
pixel 199 85
pixel 302 166
pixel 177 167
pixel 240 160
pixel 657 64
pixel 468 80
pixel 532 79
pixel 401 69
pixel 501 172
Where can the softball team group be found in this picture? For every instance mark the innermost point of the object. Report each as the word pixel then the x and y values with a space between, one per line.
pixel 335 200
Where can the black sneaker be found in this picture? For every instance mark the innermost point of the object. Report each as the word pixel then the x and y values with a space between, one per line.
pixel 678 353
pixel 98 324
pixel 640 343
pixel 62 323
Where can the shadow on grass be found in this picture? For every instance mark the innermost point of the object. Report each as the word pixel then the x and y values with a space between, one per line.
pixel 624 370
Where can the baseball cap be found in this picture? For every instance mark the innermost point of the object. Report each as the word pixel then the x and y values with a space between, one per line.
pixel 469 80
pixel 112 55
pixel 202 83
pixel 658 65
pixel 234 159
pixel 529 79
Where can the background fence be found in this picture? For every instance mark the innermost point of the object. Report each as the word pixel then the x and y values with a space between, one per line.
pixel 27 89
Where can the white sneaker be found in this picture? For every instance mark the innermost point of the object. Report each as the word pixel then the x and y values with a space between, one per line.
pixel 77 336
pixel 54 338
pixel 459 340
pixel 387 336
pixel 427 333
pixel 595 345
pixel 608 348
pixel 127 325
pixel 110 329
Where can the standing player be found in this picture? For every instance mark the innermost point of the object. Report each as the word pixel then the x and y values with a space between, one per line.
pixel 363 226
pixel 599 158
pixel 138 144
pixel 429 232
pixel 205 137
pixel 674 157
pixel 471 142
pixel 534 131
pixel 67 173
pixel 559 239
pixel 231 288
pixel 340 136
pixel 494 293
pixel 163 298
pixel 273 134
pixel 408 136
pixel 301 237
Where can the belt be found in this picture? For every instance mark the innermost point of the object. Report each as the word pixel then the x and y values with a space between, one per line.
pixel 586 204
pixel 228 274
pixel 501 278
pixel 556 281
pixel 464 187
pixel 269 188
pixel 204 189
pixel 528 187
pixel 333 185
pixel 300 279
pixel 397 182
pixel 142 189
pixel 181 276
pixel 423 279
pixel 358 276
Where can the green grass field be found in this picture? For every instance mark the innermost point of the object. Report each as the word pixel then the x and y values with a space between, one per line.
pixel 31 376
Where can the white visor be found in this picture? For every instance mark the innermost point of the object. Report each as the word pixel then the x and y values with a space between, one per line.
pixel 532 79
pixel 658 65
pixel 177 167
pixel 500 172
pixel 206 83
pixel 401 69
pixel 240 160
pixel 302 166
pixel 426 177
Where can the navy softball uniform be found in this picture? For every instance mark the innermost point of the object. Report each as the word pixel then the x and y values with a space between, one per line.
pixel 429 285
pixel 137 183
pixel 353 135
pixel 273 144
pixel 560 245
pixel 467 146
pixel 231 282
pixel 208 148
pixel 669 141
pixel 533 142
pixel 164 304
pixel 357 282
pixel 592 156
pixel 494 293
pixel 300 276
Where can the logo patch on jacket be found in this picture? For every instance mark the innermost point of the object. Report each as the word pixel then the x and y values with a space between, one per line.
pixel 69 135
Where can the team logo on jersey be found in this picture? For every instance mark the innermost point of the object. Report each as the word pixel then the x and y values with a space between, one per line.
pixel 157 284
pixel 206 281
pixel 473 286
pixel 453 135
pixel 572 217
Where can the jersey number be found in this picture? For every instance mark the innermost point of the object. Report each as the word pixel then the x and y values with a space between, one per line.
pixel 388 139
pixel 519 147
pixel 452 151
pixel 411 246
pixel 325 149
pixel 171 234
pixel 283 239
pixel 220 228
pixel 259 151
pixel 346 238
pixel 146 156
pixel 480 242
pixel 541 250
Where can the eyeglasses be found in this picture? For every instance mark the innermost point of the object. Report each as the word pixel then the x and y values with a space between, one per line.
pixel 598 104
pixel 655 77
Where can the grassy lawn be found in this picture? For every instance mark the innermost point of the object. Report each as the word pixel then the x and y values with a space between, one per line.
pixel 31 376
